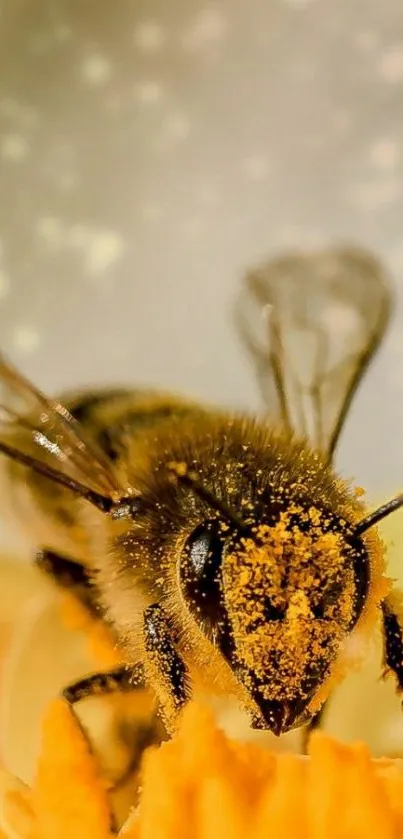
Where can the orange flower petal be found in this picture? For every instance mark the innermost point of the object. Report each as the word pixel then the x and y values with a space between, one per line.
pixel 202 784
pixel 69 797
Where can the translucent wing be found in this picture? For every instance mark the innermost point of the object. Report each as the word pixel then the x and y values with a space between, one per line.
pixel 44 436
pixel 311 323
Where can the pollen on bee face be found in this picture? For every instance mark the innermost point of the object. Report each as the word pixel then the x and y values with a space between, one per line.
pixel 289 590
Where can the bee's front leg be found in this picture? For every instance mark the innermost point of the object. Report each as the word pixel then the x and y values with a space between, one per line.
pixel 164 668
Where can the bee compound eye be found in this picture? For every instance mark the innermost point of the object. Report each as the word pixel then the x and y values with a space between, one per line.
pixel 200 569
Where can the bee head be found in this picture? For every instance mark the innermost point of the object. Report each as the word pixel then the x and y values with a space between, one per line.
pixel 279 602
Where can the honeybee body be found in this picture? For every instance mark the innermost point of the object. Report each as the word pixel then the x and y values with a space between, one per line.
pixel 223 551
pixel 273 480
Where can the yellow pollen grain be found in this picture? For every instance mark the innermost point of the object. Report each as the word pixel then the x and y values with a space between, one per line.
pixel 180 469
pixel 299 607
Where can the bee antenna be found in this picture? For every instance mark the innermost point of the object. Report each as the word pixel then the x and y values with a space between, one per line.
pixel 193 482
pixel 104 502
pixel 379 514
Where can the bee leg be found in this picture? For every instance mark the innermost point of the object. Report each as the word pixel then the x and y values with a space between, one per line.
pixel 121 679
pixel 393 641
pixel 165 669
pixel 70 575
pixel 137 737
pixel 313 724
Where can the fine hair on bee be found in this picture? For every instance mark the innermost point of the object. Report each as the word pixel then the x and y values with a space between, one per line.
pixel 222 550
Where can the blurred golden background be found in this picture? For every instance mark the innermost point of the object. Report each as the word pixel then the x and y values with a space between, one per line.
pixel 151 152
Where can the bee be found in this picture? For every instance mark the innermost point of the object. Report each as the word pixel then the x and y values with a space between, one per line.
pixel 222 550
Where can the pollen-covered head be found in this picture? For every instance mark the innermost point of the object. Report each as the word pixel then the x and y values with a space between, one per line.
pixel 278 600
pixel 291 593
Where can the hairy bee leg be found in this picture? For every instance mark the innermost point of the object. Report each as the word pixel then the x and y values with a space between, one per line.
pixel 393 642
pixel 71 576
pixel 127 679
pixel 137 739
pixel 122 679
pixel 101 684
pixel 165 668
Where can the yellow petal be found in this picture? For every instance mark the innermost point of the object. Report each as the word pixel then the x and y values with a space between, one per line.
pixel 16 813
pixel 69 797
